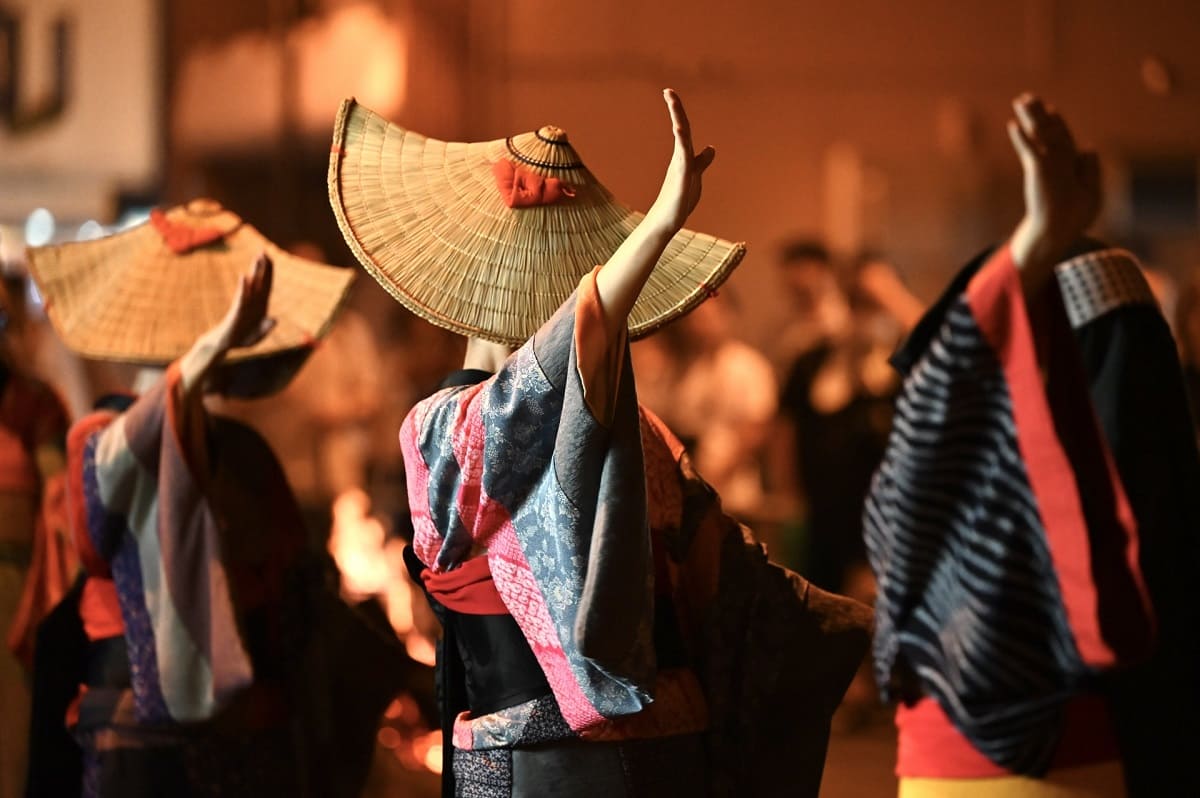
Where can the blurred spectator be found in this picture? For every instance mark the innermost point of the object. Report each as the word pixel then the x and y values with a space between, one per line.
pixel 30 340
pixel 717 394
pixel 414 356
pixel 837 400
pixel 818 308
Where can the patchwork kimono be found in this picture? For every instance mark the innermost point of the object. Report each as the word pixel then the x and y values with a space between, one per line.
pixel 1034 519
pixel 185 527
pixel 616 632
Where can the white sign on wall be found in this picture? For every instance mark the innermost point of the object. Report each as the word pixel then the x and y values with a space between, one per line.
pixel 353 50
pixel 80 107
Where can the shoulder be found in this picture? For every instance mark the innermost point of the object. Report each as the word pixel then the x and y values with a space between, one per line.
pixel 438 415
pixel 89 425
pixel 1098 283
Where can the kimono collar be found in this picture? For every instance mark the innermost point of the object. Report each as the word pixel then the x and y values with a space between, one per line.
pixel 116 402
pixel 913 348
pixel 461 377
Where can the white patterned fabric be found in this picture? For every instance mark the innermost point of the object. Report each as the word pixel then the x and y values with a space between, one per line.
pixel 1098 282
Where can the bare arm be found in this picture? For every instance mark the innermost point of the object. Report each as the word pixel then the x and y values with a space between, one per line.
pixel 621 279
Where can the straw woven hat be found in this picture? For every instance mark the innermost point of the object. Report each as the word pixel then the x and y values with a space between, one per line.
pixel 434 222
pixel 145 295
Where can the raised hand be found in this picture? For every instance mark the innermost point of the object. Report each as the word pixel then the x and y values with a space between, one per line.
pixel 1062 186
pixel 246 322
pixel 622 277
pixel 680 190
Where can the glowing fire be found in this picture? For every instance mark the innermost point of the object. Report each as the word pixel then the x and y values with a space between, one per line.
pixel 412 746
pixel 372 565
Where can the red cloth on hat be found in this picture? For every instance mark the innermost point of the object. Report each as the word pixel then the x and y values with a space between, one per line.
pixel 522 188
pixel 183 238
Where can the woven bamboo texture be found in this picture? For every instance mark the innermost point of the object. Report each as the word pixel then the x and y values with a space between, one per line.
pixel 426 219
pixel 130 297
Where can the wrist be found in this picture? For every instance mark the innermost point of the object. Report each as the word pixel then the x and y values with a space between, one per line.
pixel 215 345
pixel 1035 252
pixel 1032 247
pixel 663 222
pixel 208 351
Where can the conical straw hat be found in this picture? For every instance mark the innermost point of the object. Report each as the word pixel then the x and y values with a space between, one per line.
pixel 146 294
pixel 428 220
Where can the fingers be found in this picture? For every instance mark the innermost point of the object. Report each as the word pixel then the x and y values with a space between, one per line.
pixel 268 272
pixel 260 273
pixel 1088 167
pixel 259 282
pixel 1058 135
pixel 262 331
pixel 679 121
pixel 1021 143
pixel 1031 115
pixel 240 296
pixel 704 159
pixel 1043 127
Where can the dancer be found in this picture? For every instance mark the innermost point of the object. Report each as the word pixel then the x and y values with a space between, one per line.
pixel 184 523
pixel 607 629
pixel 1032 526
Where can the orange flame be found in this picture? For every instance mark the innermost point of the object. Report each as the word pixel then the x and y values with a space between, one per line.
pixel 371 565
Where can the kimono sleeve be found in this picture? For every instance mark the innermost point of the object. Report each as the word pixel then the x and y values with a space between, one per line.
pixel 147 520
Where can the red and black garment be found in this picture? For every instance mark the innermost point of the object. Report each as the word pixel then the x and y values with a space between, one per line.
pixel 1035 486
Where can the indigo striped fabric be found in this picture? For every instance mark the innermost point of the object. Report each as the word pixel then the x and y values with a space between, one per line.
pixel 968 600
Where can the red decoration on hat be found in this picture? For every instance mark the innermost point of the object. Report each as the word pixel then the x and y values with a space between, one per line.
pixel 523 188
pixel 183 238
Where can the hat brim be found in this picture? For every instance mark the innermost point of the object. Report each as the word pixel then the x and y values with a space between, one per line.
pixel 129 298
pixel 426 220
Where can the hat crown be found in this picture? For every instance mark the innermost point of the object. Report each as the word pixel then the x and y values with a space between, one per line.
pixel 547 148
pixel 203 206
pixel 203 213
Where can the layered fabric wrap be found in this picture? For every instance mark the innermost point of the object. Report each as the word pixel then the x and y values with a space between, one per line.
pixel 998 525
pixel 146 519
pixel 582 501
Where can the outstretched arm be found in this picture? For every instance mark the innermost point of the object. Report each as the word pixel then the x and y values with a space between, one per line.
pixel 621 279
pixel 1062 190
